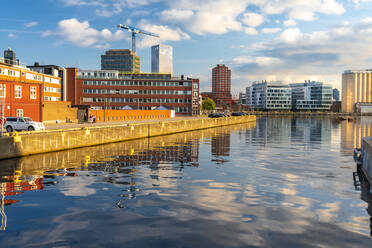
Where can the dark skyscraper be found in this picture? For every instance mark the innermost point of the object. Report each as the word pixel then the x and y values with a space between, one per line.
pixel 221 86
pixel 336 94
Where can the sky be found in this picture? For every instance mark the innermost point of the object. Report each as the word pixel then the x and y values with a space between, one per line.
pixel 286 40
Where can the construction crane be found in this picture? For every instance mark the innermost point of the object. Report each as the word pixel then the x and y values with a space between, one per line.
pixel 134 32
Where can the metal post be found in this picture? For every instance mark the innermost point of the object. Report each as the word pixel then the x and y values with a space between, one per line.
pixel 2 117
pixel 133 41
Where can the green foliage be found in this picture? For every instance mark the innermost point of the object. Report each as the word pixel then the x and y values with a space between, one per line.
pixel 208 104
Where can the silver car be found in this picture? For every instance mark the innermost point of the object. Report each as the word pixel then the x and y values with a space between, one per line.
pixel 22 123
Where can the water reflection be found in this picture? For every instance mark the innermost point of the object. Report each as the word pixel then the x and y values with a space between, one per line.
pixel 282 181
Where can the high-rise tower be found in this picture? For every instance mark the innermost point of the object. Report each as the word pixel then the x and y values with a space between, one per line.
pixel 162 59
pixel 221 86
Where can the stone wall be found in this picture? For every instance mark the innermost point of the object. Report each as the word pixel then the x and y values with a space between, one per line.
pixel 27 143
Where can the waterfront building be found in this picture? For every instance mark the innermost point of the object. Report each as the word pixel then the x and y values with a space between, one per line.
pixel 221 86
pixel 162 59
pixel 269 96
pixel 24 92
pixel 120 60
pixel 356 88
pixel 110 89
pixel 336 94
pixel 310 95
pixel 54 70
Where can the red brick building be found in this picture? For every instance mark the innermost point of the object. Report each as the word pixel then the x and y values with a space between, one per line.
pixel 221 86
pixel 109 89
pixel 20 97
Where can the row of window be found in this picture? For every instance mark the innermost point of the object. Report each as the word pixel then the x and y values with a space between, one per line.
pixel 17 91
pixel 141 92
pixel 52 89
pixel 9 72
pixel 52 98
pixel 136 100
pixel 137 83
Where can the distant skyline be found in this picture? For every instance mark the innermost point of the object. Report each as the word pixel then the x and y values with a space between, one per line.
pixel 285 40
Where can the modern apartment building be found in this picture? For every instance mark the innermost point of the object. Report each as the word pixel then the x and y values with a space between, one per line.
pixel 110 89
pixel 310 95
pixel 269 96
pixel 120 60
pixel 221 86
pixel 356 88
pixel 162 59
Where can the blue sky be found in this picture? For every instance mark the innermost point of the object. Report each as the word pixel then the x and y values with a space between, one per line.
pixel 288 40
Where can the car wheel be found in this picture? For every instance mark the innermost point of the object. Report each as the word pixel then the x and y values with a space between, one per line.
pixel 9 129
pixel 31 128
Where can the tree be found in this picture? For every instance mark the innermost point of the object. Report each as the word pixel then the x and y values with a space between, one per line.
pixel 208 104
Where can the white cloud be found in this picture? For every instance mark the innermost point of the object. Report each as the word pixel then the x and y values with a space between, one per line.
pixel 12 35
pixel 289 23
pixel 323 55
pixel 30 24
pixel 250 31
pixel 176 14
pixel 81 34
pixel 302 10
pixel 270 30
pixel 367 20
pixel 252 19
pixel 166 34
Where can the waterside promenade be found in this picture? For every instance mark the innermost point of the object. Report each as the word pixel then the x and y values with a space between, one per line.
pixel 28 143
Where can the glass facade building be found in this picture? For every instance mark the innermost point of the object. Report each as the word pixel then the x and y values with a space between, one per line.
pixel 313 96
pixel 162 59
pixel 269 96
pixel 120 60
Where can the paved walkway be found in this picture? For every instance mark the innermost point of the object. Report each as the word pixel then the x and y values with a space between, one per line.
pixel 54 126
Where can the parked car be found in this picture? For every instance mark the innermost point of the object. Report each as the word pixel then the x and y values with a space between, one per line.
pixel 237 114
pixel 216 115
pixel 22 123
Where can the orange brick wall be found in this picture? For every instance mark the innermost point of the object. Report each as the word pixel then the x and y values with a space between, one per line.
pixel 129 115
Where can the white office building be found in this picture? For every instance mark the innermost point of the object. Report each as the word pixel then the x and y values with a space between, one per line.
pixel 269 96
pixel 162 59
pixel 312 96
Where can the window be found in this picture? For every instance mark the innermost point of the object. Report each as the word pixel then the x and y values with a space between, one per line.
pixel 19 112
pixel 17 91
pixel 32 92
pixel 2 90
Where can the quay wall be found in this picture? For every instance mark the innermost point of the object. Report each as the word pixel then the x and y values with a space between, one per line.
pixel 27 143
pixel 366 156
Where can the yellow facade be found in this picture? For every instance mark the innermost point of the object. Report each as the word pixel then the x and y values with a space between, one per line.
pixel 356 88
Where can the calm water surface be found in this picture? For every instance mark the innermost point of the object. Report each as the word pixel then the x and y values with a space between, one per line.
pixel 282 182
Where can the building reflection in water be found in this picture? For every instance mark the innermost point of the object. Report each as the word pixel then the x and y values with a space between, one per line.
pixel 308 130
pixel 352 132
pixel 164 157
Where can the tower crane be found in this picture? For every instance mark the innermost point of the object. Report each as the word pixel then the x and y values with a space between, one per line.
pixel 134 32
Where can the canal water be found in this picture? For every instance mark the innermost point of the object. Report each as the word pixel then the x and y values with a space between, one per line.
pixel 280 182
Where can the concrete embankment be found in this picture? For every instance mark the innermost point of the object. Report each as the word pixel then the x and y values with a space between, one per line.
pixel 28 143
pixel 366 156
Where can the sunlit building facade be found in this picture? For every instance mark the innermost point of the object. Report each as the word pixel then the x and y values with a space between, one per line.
pixel 356 88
